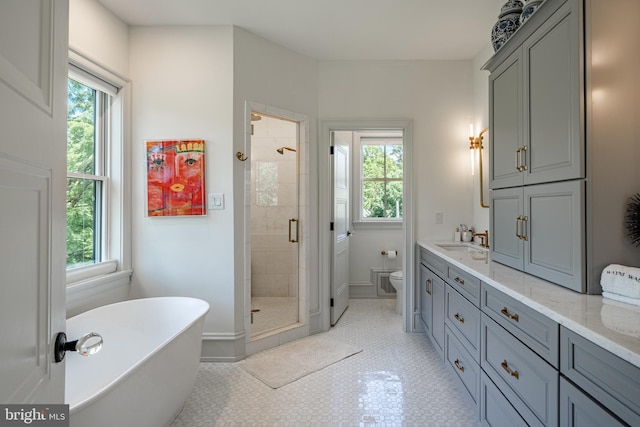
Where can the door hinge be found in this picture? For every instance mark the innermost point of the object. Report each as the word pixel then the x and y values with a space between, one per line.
pixel 331 150
pixel 331 302
pixel 331 226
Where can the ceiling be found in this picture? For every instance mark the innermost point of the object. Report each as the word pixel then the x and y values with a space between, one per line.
pixel 336 29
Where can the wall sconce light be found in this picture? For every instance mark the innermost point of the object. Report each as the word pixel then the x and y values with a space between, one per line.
pixel 475 143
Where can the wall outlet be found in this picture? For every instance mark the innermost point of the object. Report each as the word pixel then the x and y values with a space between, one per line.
pixel 439 217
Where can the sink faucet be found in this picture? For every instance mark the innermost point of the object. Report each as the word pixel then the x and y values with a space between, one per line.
pixel 485 238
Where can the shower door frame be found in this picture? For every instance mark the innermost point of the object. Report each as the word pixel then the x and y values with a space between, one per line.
pixel 301 328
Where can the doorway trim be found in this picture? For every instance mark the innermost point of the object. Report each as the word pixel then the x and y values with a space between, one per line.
pixel 408 264
pixel 301 329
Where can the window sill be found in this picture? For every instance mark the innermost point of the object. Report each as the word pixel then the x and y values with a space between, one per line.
pixel 377 225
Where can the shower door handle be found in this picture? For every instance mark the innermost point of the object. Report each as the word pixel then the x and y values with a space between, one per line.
pixel 293 221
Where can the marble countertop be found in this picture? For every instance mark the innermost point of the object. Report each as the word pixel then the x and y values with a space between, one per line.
pixel 612 325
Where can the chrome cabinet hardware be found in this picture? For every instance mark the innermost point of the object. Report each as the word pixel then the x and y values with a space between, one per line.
pixel 459 318
pixel 509 371
pixel 458 365
pixel 459 280
pixel 427 285
pixel 515 317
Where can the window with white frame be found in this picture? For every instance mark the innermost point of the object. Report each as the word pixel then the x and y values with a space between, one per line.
pixel 87 180
pixel 96 208
pixel 380 167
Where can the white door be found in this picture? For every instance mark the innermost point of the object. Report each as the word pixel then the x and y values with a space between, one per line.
pixel 33 92
pixel 341 142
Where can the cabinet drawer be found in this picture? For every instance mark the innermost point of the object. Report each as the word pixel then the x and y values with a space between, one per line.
pixel 537 331
pixel 613 382
pixel 463 364
pixel 526 380
pixel 495 409
pixel 465 283
pixel 464 320
pixel 434 262
pixel 579 410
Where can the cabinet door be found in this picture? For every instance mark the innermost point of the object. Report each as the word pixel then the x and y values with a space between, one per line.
pixel 552 77
pixel 505 137
pixel 437 329
pixel 426 298
pixel 578 410
pixel 506 209
pixel 554 249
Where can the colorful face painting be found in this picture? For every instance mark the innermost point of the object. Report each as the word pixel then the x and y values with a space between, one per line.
pixel 175 178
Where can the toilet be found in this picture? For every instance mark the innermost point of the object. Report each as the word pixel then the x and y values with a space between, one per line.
pixel 397 281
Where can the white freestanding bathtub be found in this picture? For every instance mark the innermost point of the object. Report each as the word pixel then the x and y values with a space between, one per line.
pixel 146 368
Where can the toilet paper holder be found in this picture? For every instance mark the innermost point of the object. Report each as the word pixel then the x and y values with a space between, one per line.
pixel 385 253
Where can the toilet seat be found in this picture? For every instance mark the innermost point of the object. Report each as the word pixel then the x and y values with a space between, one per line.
pixel 396 275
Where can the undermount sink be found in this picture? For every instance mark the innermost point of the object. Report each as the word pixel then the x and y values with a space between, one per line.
pixel 460 247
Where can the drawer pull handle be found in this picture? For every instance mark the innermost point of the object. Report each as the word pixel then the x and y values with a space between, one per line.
pixel 426 286
pixel 505 366
pixel 515 317
pixel 459 280
pixel 523 153
pixel 525 221
pixel 458 365
pixel 459 318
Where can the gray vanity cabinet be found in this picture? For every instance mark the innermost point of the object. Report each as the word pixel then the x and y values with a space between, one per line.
pixel 536 331
pixel 437 331
pixel 431 293
pixel 534 97
pixel 426 298
pixel 539 229
pixel 563 102
pixel 579 410
pixel 495 409
pixel 462 335
pixel 506 127
pixel 611 381
pixel 528 382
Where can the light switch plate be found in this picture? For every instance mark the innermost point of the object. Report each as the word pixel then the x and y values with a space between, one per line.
pixel 215 201
pixel 439 217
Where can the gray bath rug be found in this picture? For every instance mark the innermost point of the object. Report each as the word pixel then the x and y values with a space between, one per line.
pixel 290 362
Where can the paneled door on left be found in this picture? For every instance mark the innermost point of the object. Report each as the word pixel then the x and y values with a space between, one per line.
pixel 33 75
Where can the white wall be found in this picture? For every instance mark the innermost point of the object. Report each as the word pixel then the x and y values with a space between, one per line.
pixel 438 97
pixel 276 78
pixel 182 88
pixel 481 121
pixel 192 82
pixel 98 34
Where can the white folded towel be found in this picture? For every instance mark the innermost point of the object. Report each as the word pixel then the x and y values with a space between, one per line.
pixel 621 298
pixel 621 318
pixel 621 280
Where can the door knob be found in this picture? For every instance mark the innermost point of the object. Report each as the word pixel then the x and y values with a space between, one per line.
pixel 349 233
pixel 87 345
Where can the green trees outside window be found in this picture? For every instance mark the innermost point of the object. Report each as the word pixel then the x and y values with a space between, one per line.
pixel 84 186
pixel 382 181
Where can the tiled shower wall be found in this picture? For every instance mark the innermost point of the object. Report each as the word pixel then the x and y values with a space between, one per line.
pixel 274 194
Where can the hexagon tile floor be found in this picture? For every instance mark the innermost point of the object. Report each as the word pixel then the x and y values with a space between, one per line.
pixel 397 380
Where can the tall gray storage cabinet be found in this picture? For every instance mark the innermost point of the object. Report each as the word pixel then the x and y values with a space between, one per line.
pixel 564 141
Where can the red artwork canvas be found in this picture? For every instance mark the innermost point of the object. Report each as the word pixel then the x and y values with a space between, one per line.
pixel 175 178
